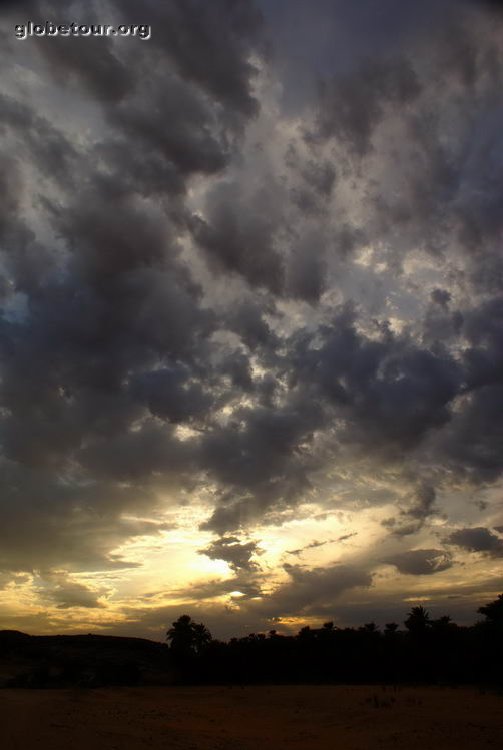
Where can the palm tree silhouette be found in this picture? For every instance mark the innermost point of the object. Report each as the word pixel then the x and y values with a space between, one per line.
pixel 417 621
pixel 188 637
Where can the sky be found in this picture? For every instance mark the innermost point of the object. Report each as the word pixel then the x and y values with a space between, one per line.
pixel 251 314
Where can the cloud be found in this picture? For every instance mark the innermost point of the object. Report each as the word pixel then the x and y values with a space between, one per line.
pixel 315 544
pixel 421 561
pixel 209 45
pixel 413 517
pixel 311 592
pixel 242 240
pixel 67 593
pixel 244 262
pixel 236 553
pixel 8 579
pixel 351 107
pixel 471 445
pixel 477 539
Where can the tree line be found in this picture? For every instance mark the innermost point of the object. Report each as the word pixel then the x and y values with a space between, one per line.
pixel 426 650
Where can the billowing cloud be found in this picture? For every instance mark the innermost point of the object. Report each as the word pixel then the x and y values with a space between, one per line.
pixel 420 562
pixel 315 591
pixel 236 553
pixel 250 270
pixel 66 593
pixel 477 539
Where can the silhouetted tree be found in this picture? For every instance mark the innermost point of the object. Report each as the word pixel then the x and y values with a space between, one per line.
pixel 417 621
pixel 390 628
pixel 188 637
pixel 434 651
pixel 369 627
pixel 201 636
pixel 493 612
pixel 442 624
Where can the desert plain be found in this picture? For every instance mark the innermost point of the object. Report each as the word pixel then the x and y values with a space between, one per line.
pixel 317 717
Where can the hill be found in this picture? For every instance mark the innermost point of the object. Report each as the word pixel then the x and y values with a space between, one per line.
pixel 84 660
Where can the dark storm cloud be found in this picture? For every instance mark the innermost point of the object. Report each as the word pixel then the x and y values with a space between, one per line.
pixel 139 454
pixel 10 189
pixel 421 562
pixel 306 272
pixel 193 141
pixel 258 457
pixel 236 553
pixel 66 593
pixel 90 62
pixel 312 592
pixel 208 43
pixel 18 4
pixel 441 297
pixel 492 4
pixel 169 394
pixel 248 321
pixel 413 517
pixel 483 328
pixel 58 521
pixel 351 107
pixel 472 445
pixel 238 235
pixel 389 389
pixel 110 341
pixel 237 366
pixel 38 140
pixel 128 370
pixel 242 582
pixel 478 539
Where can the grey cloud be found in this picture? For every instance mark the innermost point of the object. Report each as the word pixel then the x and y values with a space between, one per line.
pixel 478 539
pixel 314 182
pixel 441 297
pixel 113 335
pixel 422 505
pixel 483 329
pixel 472 444
pixel 259 460
pixel 247 586
pixel 248 321
pixel 170 394
pixel 90 61
pixel 312 591
pixel 46 145
pixel 315 544
pixel 238 235
pixel 421 561
pixel 209 44
pixel 233 551
pixel 237 366
pixel 66 523
pixel 307 271
pixel 389 389
pixel 193 141
pixel 137 455
pixel 495 5
pixel 419 508
pixel 351 107
pixel 65 592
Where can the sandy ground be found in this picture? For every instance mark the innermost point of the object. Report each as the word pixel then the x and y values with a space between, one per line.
pixel 258 718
